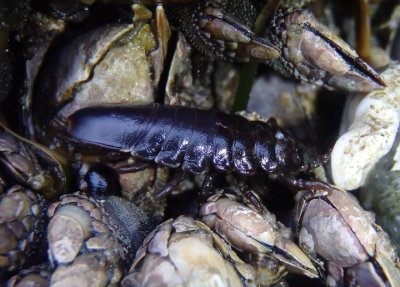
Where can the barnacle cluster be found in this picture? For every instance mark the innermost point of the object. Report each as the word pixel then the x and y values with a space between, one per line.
pixel 79 208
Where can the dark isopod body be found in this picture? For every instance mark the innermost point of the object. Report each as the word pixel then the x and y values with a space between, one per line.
pixel 194 140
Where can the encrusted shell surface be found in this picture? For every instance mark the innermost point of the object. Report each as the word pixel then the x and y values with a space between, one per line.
pixel 30 165
pixel 34 276
pixel 259 234
pixel 95 77
pixel 371 134
pixel 335 228
pixel 185 252
pixel 21 227
pixel 90 240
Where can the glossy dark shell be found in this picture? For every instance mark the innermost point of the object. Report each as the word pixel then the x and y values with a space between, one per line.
pixel 193 139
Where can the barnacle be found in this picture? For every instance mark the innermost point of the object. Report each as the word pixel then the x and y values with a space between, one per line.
pixel 371 134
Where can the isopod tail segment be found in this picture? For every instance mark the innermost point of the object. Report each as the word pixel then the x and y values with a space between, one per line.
pixel 192 141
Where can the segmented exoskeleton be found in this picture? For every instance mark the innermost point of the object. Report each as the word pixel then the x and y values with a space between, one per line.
pixel 193 140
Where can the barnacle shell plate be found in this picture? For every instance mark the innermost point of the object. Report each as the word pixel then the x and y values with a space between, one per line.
pixel 185 252
pixel 90 68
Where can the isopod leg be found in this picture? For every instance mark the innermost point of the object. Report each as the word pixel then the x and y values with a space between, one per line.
pixel 306 184
pixel 207 186
pixel 138 166
pixel 250 196
pixel 175 180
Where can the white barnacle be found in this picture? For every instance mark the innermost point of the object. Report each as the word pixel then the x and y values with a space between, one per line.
pixel 371 134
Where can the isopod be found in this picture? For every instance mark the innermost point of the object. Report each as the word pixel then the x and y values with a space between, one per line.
pixel 195 141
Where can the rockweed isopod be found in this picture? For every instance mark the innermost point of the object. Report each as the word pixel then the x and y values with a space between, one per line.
pixel 195 141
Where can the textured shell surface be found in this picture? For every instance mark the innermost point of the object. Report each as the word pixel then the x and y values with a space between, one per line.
pixel 371 134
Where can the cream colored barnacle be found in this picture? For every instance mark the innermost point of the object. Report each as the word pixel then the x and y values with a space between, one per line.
pixel 371 134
